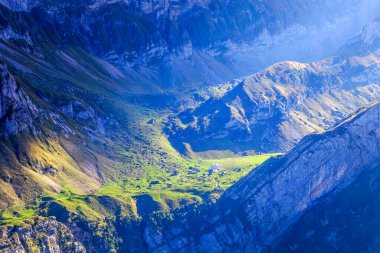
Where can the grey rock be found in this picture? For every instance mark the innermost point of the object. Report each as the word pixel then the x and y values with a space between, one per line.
pixel 17 112
pixel 45 235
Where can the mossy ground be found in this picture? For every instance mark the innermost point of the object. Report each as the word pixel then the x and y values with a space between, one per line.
pixel 16 215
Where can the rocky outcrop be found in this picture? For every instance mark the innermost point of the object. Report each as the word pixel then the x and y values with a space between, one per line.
pixel 253 213
pixel 45 235
pixel 85 113
pixel 17 111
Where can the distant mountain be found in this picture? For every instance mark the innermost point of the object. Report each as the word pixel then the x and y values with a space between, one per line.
pixel 187 43
pixel 368 40
pixel 322 172
pixel 272 110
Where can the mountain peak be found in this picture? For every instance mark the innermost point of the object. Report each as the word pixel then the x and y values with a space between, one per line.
pixel 371 32
pixel 368 40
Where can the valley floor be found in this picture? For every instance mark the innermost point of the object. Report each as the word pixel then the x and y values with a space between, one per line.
pixel 154 190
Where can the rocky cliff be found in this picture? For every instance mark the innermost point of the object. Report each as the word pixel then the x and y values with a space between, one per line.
pixel 253 213
pixel 17 111
pixel 75 71
pixel 187 43
pixel 44 235
pixel 348 221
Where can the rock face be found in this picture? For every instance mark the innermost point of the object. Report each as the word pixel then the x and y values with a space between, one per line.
pixel 177 43
pixel 252 214
pixel 16 109
pixel 46 235
pixel 274 109
pixel 335 223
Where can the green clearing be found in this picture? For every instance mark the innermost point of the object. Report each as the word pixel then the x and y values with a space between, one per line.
pixel 15 216
pixel 166 190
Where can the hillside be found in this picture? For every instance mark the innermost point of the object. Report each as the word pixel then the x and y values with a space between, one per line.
pixel 76 120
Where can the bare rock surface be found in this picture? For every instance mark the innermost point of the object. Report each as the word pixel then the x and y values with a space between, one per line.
pixel 17 111
pixel 45 235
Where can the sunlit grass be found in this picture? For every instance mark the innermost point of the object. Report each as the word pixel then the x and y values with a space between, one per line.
pixel 15 216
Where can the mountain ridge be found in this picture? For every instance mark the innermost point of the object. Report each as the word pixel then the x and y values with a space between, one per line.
pixel 273 109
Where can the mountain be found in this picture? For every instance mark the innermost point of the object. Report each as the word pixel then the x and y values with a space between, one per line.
pixel 366 41
pixel 187 43
pixel 69 116
pixel 254 213
pixel 274 109
pixel 88 90
pixel 333 224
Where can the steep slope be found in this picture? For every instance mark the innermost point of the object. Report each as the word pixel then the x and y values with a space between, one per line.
pixel 273 109
pixel 66 119
pixel 252 214
pixel 33 155
pixel 186 43
pixel 73 129
pixel 92 154
pixel 368 40
pixel 75 144
pixel 64 122
pixel 83 133
pixel 337 221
